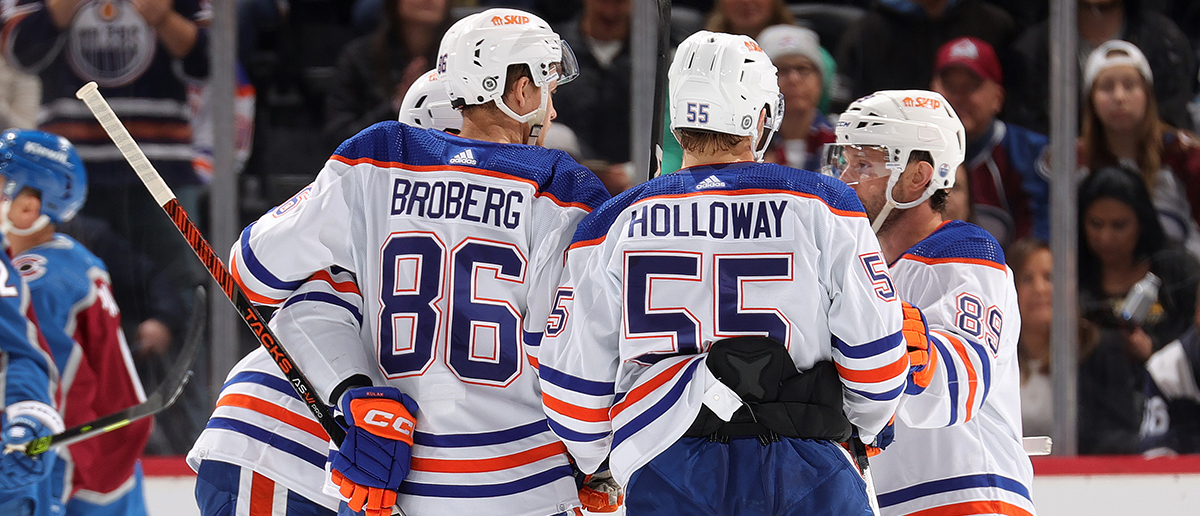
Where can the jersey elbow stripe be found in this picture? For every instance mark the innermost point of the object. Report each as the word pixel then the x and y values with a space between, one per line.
pixel 645 388
pixel 576 412
pixel 571 435
pixel 325 297
pixel 271 439
pixel 882 396
pixel 877 375
pixel 256 268
pixel 274 411
pixel 345 287
pixel 951 375
pixel 254 296
pixel 870 349
pixel 972 377
pixel 659 408
pixel 574 383
pixel 946 485
pixel 514 460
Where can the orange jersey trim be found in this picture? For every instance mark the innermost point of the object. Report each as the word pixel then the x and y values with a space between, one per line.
pixel 488 465
pixel 877 375
pixel 972 377
pixel 973 508
pixel 251 294
pixel 645 389
pixel 938 261
pixel 347 287
pixel 456 168
pixel 590 415
pixel 272 410
pixel 585 243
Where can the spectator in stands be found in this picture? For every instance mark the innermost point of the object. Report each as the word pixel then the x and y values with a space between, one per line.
pixel 20 96
pixel 374 71
pixel 748 17
pixel 1167 50
pixel 1171 422
pixel 797 54
pixel 1121 124
pixel 597 106
pixel 1032 265
pixel 1007 164
pixel 1120 243
pixel 893 46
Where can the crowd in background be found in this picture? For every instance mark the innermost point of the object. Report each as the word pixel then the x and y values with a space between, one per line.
pixel 315 72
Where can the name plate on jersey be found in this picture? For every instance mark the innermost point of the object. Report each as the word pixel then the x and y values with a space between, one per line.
pixel 713 219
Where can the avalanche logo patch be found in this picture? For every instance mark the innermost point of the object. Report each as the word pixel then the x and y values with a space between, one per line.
pixel 31 266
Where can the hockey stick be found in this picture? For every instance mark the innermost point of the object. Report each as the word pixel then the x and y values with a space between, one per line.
pixel 90 95
pixel 660 88
pixel 162 398
pixel 860 457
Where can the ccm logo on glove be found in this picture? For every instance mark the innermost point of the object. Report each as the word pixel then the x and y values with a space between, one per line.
pixel 378 417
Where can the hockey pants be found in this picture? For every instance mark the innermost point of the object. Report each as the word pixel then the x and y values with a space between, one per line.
pixel 789 477
pixel 224 489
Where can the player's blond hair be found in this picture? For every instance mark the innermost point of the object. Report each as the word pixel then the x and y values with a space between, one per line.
pixel 708 142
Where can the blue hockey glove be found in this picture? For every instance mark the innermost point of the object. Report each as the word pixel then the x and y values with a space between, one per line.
pixel 370 464
pixel 18 470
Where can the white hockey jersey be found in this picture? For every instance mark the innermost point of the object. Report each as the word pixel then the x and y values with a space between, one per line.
pixel 668 267
pixel 259 422
pixel 958 443
pixel 457 245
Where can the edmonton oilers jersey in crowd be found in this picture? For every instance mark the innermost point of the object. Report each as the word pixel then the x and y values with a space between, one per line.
pixel 958 443
pixel 457 246
pixel 659 273
pixel 81 322
pixel 110 43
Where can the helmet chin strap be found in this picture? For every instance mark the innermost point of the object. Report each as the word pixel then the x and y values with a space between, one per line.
pixel 893 204
pixel 41 222
pixel 533 118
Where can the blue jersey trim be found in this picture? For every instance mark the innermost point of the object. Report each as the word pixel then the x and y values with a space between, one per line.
pixel 265 380
pixel 487 490
pixel 270 439
pixel 258 271
pixel 986 374
pixel 480 439
pixel 576 384
pixel 325 297
pixel 870 349
pixel 659 408
pixel 953 484
pixel 883 396
pixel 951 378
pixel 958 239
pixel 531 339
pixel 571 435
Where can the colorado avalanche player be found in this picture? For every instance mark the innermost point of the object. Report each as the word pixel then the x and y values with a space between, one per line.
pixel 958 444
pixel 457 246
pixel 692 302
pixel 45 185
pixel 262 451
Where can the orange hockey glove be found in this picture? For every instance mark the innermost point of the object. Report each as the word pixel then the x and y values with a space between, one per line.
pixel 600 493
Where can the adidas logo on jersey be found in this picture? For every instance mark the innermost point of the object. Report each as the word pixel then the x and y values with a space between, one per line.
pixel 465 157
pixel 710 182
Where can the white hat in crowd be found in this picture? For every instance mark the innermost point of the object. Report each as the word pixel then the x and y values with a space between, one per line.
pixel 1115 53
pixel 786 40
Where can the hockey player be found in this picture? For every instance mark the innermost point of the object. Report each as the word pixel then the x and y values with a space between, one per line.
pixel 261 433
pixel 29 386
pixel 457 246
pixel 694 294
pixel 957 444
pixel 45 185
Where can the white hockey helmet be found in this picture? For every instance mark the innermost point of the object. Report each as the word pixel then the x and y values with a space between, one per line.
pixel 476 52
pixel 427 106
pixel 720 83
pixel 893 124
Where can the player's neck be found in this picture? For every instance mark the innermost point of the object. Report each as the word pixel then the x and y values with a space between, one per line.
pixel 910 227
pixel 696 159
pixel 495 127
pixel 22 243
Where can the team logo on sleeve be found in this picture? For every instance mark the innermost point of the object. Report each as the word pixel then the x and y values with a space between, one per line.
pixel 877 271
pixel 31 266
pixel 287 205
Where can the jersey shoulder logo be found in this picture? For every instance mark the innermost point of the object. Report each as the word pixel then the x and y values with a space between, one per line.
pixel 710 182
pixel 31 266
pixel 465 157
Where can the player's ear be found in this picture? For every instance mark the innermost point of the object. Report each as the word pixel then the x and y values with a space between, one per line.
pixel 922 174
